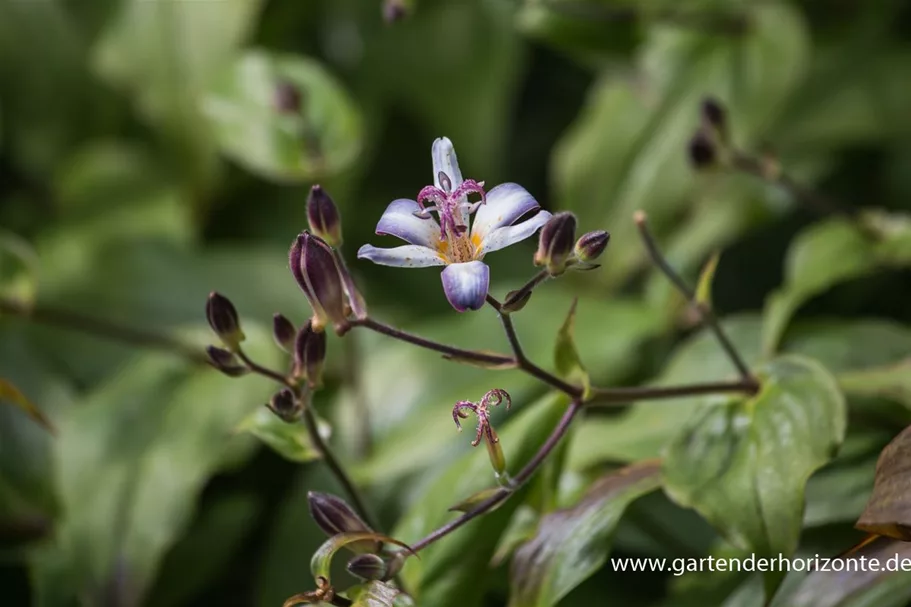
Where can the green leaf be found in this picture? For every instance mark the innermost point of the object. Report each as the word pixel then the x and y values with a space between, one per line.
pixel 470 502
pixel 566 357
pixel 852 582
pixel 839 492
pixel 892 382
pixel 443 577
pixel 893 235
pixel 18 254
pixel 14 396
pixel 378 594
pixel 321 137
pixel 626 149
pixel 322 558
pixel 820 257
pixel 406 387
pixel 522 527
pixel 131 460
pixel 744 465
pixel 643 430
pixel 573 543
pixel 291 441
pixel 165 55
pixel 704 286
pixel 589 32
pixel 207 550
pixel 470 41
pixel 28 492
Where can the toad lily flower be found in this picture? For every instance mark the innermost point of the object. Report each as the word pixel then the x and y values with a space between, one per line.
pixel 451 242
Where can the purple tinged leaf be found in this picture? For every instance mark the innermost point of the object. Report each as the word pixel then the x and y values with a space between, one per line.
pixel 572 543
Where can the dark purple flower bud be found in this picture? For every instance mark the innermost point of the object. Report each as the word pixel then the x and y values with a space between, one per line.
pixel 225 361
pixel 367 567
pixel 313 266
pixel 323 216
pixel 287 98
pixel 309 355
pixel 334 516
pixel 394 10
pixel 714 117
pixel 556 243
pixel 284 405
pixel 222 317
pixel 283 331
pixel 702 150
pixel 591 245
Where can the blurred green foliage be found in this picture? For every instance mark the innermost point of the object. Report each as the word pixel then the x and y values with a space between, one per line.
pixel 147 157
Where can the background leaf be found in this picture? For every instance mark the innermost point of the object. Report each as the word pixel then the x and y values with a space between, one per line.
pixel 744 465
pixel 441 576
pixel 318 138
pixel 572 543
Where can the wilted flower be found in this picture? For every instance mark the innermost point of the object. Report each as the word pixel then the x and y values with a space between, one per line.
pixel 451 242
pixel 485 429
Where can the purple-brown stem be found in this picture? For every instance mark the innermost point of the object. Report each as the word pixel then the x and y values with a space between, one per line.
pixel 452 351
pixel 708 317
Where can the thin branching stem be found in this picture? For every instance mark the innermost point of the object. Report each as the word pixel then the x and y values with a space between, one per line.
pixel 810 198
pixel 527 288
pixel 520 479
pixel 523 362
pixel 451 351
pixel 266 372
pixel 316 439
pixel 99 327
pixel 335 466
pixel 623 396
pixel 708 317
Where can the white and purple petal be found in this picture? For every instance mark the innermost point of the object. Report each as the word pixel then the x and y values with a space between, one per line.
pixel 408 256
pixel 398 220
pixel 508 235
pixel 506 203
pixel 465 284
pixel 444 159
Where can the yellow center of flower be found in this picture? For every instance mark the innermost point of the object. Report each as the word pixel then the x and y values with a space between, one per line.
pixel 457 248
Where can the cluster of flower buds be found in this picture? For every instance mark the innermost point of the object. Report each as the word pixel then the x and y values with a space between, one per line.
pixel 710 141
pixel 223 319
pixel 320 271
pixel 558 249
pixel 309 355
